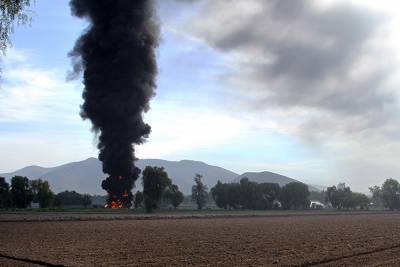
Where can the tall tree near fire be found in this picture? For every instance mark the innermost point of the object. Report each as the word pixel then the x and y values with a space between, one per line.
pixel 199 192
pixel 155 181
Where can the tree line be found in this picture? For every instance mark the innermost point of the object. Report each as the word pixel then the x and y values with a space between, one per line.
pixel 157 189
pixel 387 195
pixel 341 197
pixel 22 192
pixel 296 195
pixel 260 196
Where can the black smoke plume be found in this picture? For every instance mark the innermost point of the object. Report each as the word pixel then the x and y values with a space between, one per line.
pixel 117 56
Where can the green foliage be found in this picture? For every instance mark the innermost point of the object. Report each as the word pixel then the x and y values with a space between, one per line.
pixel 138 200
pixel 220 194
pixel 294 195
pixel 68 198
pixel 377 200
pixel 42 193
pixel 246 194
pixel 21 192
pixel 5 195
pixel 11 12
pixel 233 195
pixel 174 196
pixel 338 196
pixel 391 194
pixel 360 201
pixel 258 196
pixel 199 192
pixel 388 195
pixel 266 194
pixel 341 197
pixel 155 181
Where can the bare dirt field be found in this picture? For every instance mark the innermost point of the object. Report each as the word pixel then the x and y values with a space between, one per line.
pixel 314 240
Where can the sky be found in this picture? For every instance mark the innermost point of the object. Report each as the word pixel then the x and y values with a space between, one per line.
pixel 304 88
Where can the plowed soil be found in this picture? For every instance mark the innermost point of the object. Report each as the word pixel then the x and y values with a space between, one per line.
pixel 320 240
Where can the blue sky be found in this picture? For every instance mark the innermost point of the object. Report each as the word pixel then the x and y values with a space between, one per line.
pixel 213 104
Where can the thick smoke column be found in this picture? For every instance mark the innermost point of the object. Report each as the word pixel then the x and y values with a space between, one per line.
pixel 117 56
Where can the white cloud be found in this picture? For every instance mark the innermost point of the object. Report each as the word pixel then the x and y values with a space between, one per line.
pixel 182 129
pixel 337 92
pixel 33 94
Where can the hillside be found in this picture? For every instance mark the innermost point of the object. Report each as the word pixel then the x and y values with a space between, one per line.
pixel 86 176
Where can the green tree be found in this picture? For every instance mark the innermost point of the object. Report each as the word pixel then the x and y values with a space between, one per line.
pixel 340 197
pixel 176 196
pixel 68 198
pixel 266 194
pixel 45 196
pixel 220 194
pixel 248 195
pixel 294 195
pixel 360 201
pixel 34 185
pixel 42 193
pixel 138 199
pixel 173 196
pixel 391 194
pixel 155 181
pixel 199 192
pixel 233 196
pixel 21 192
pixel 12 12
pixel 376 192
pixel 5 195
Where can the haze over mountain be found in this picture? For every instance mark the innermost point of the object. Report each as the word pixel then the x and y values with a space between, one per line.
pixel 86 176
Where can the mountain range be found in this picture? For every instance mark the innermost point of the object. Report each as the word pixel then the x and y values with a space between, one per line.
pixel 86 176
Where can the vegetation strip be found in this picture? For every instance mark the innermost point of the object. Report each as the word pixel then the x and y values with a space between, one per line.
pixel 178 217
pixel 38 262
pixel 318 262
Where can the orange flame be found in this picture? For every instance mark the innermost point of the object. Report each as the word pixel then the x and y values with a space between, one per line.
pixel 115 204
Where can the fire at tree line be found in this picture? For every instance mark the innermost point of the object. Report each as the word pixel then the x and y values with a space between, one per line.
pixel 159 192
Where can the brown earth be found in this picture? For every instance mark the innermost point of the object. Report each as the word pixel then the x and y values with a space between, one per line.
pixel 316 240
